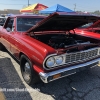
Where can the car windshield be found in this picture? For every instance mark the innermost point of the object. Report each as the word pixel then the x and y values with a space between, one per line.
pixel 86 25
pixel 24 24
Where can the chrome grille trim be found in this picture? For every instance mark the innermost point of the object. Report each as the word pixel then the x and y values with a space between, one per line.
pixel 81 56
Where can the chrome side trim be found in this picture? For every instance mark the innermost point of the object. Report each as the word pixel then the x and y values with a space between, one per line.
pixel 44 76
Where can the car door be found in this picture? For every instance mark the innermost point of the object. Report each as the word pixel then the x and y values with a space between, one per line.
pixel 13 40
pixel 6 33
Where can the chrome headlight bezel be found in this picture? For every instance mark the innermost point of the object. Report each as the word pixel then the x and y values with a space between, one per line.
pixel 58 60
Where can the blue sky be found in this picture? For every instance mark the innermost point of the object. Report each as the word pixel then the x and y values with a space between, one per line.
pixel 81 5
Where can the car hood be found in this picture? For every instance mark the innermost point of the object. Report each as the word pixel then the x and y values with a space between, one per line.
pixel 62 22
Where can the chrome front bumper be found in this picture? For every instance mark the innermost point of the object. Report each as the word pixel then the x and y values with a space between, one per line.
pixel 48 77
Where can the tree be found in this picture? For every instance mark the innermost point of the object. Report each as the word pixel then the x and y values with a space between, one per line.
pixel 97 12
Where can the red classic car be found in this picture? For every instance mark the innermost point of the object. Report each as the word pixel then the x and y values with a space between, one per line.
pixel 91 29
pixel 45 50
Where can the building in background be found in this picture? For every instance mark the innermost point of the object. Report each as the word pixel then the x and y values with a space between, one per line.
pixel 9 11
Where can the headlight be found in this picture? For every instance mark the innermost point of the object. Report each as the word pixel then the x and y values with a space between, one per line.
pixel 55 61
pixel 59 60
pixel 50 62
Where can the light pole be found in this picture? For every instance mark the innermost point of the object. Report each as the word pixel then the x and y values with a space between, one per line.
pixel 74 7
pixel 28 2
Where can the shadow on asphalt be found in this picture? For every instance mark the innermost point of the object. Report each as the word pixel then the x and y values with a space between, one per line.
pixel 74 87
pixel 10 82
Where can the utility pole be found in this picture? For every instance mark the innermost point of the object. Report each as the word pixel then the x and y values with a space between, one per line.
pixel 74 7
pixel 28 2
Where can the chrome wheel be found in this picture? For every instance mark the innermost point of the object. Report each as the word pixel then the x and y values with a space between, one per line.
pixel 27 71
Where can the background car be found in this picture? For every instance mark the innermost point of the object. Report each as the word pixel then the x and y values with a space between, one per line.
pixel 2 20
pixel 91 29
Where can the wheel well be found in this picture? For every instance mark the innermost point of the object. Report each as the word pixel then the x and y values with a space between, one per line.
pixel 21 53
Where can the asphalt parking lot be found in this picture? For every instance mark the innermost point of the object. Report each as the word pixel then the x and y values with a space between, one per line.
pixel 84 85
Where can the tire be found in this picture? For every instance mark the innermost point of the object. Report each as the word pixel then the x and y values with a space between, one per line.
pixel 28 73
pixel 1 46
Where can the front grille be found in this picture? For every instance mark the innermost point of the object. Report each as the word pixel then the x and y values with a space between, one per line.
pixel 80 56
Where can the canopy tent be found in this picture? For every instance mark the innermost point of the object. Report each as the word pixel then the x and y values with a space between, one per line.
pixel 34 8
pixel 55 8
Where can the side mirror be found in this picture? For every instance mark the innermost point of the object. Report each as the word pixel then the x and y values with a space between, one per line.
pixel 8 29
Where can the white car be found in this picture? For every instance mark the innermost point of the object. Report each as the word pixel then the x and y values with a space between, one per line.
pixel 2 20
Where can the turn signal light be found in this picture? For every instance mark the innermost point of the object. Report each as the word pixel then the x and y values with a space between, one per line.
pixel 56 76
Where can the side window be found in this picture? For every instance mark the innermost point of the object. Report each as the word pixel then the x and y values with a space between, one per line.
pixel 10 24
